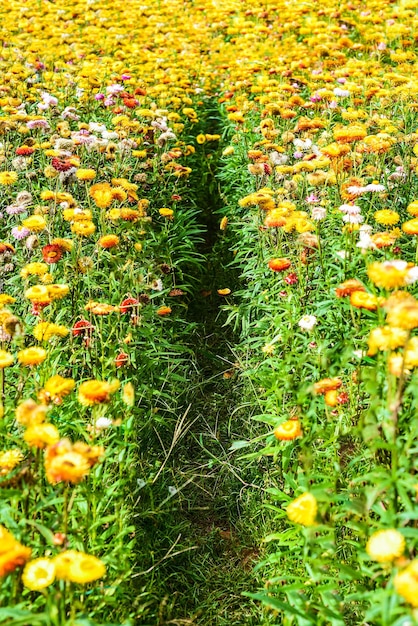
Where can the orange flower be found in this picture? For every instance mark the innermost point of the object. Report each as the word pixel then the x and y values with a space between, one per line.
pixel 108 241
pixel 327 384
pixel 163 310
pixel 363 300
pixel 288 430
pixel 12 553
pixel 62 464
pixel 279 265
pixel 96 391
pixel 347 287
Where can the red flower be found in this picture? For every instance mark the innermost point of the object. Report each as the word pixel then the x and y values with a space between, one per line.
pixel 25 151
pixel 81 327
pixel 52 253
pixel 122 359
pixel 61 165
pixel 127 304
pixel 291 279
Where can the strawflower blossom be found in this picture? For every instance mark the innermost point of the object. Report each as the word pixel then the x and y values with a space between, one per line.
pixel 20 232
pixel 307 322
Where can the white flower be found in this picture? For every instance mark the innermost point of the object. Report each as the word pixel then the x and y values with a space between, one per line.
pixel 302 144
pixel 412 275
pixel 318 213
pixel 350 209
pixel 366 242
pixel 278 159
pixel 355 218
pixel 102 423
pixel 307 322
pixel 342 254
pixel 375 187
pixel 355 190
pixel 341 93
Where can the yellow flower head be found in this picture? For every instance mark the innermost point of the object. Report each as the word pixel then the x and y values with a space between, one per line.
pixel 38 574
pixel 35 223
pixel 78 567
pixel 385 546
pixel 29 412
pixel 386 217
pixel 85 174
pixel 6 359
pixel 31 356
pixel 406 583
pixel 9 460
pixel 8 178
pixel 96 391
pixel 41 435
pixel 303 510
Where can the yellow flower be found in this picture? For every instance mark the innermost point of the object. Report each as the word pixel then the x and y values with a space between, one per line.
pixel 38 574
pixel 224 223
pixel 128 394
pixel 34 269
pixel 201 138
pixel 102 195
pixel 56 388
pixel 85 174
pixel 406 583
pixel 410 227
pixel 168 213
pixel 404 315
pixel 78 567
pixel 385 545
pixel 5 299
pixel 96 391
pixel 84 228
pixel 389 274
pixel 65 244
pixel 303 510
pixel 41 435
pixel 12 553
pixel 63 463
pixel 58 291
pixel 6 359
pixel 9 459
pixel 44 331
pixel 38 293
pixel 29 412
pixel 288 430
pixel 35 223
pixel 31 356
pixel 8 178
pixel 386 338
pixel 386 217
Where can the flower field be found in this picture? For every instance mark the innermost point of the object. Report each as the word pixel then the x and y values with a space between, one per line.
pixel 208 313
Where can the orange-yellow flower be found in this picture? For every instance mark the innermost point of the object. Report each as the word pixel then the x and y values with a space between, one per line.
pixel 363 300
pixel 108 241
pixel 288 430
pixel 31 356
pixel 279 265
pixel 12 553
pixel 96 391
